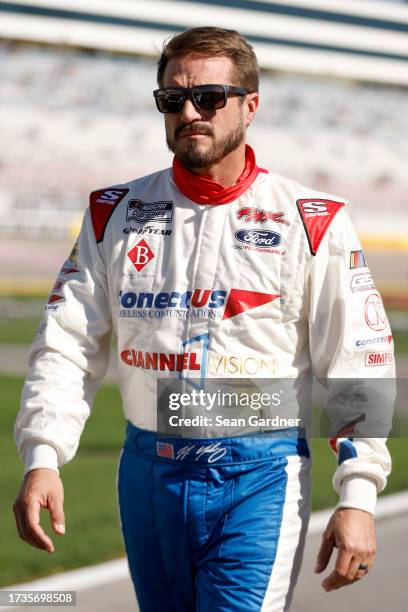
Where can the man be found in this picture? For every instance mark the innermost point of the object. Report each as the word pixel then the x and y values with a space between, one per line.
pixel 201 269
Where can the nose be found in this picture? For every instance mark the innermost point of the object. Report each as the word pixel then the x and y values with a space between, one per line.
pixel 189 112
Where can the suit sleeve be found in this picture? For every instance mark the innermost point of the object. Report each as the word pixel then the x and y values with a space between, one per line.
pixel 68 358
pixel 352 355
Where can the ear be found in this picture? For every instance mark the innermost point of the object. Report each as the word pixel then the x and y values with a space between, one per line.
pixel 251 104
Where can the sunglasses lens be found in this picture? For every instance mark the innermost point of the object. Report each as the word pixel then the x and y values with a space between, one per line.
pixel 209 100
pixel 168 102
pixel 206 97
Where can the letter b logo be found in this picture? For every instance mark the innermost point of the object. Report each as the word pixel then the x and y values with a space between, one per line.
pixel 140 255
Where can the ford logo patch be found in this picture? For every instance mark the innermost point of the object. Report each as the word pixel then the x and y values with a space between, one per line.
pixel 259 238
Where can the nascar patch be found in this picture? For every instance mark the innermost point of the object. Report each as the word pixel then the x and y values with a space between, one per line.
pixel 142 212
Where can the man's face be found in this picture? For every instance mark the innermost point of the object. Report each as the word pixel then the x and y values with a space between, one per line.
pixel 200 138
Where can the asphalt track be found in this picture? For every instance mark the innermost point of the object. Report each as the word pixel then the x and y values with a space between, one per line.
pixel 384 589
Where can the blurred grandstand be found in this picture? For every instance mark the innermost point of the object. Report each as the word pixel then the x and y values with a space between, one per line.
pixel 75 119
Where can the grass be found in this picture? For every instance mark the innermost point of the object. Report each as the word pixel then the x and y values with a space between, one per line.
pixel 401 342
pixel 18 331
pixel 93 532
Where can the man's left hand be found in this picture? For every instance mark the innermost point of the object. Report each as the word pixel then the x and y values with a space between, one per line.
pixel 352 532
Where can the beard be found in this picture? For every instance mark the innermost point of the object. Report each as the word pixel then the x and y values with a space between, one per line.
pixel 192 157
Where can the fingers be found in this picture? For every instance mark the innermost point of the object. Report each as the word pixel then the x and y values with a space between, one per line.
pixel 354 572
pixel 338 576
pixel 336 579
pixel 34 528
pixel 325 551
pixel 56 509
pixel 21 527
pixel 28 525
pixel 347 570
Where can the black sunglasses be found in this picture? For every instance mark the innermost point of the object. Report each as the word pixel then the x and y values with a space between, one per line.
pixel 204 97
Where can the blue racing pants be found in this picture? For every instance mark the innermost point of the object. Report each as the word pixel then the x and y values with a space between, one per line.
pixel 213 524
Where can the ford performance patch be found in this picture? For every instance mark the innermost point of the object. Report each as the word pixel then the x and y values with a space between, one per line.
pixel 260 238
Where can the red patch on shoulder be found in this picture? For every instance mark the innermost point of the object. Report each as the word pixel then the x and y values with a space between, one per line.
pixel 102 204
pixel 317 214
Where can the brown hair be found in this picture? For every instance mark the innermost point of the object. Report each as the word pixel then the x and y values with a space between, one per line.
pixel 209 42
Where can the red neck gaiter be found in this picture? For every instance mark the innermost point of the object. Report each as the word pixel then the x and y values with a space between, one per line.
pixel 205 191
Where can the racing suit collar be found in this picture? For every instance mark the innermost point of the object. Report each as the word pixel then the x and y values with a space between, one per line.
pixel 205 191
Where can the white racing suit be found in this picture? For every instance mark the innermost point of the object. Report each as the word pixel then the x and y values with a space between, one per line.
pixel 270 283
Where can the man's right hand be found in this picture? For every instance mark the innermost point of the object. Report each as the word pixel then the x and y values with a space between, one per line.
pixel 41 488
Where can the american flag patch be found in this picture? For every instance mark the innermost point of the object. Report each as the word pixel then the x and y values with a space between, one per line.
pixel 357 260
pixel 164 449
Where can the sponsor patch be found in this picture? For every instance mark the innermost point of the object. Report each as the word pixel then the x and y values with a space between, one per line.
pixel 54 301
pixel 314 208
pixel 240 300
pixel 140 255
pixel 374 312
pixel 172 362
pixel 362 282
pixel 259 240
pixel 357 260
pixel 198 303
pixel 247 247
pixel 258 215
pixel 142 212
pixel 58 286
pixel 316 215
pixel 137 276
pixel 379 359
pixel 363 343
pixel 52 307
pixel 148 229
pixel 111 197
pixel 67 269
pixel 241 365
pixel 54 298
pixel 102 205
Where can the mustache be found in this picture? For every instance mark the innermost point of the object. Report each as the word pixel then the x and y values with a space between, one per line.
pixel 193 128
